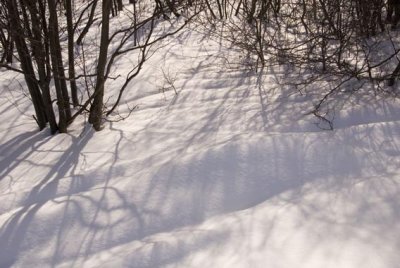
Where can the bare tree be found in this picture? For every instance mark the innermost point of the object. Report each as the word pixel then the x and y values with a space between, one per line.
pixel 71 62
pixel 36 34
pixel 58 69
pixel 96 110
pixel 26 62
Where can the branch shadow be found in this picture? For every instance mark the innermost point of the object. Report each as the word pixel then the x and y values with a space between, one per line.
pixel 150 194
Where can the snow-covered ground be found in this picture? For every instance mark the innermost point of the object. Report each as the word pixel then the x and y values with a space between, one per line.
pixel 228 173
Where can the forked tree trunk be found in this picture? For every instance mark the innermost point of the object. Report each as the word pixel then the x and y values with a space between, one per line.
pixel 58 69
pixel 39 49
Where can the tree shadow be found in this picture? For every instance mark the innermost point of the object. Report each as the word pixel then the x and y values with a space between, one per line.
pixel 155 195
pixel 14 230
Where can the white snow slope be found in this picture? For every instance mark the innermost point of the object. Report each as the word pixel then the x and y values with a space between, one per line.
pixel 224 174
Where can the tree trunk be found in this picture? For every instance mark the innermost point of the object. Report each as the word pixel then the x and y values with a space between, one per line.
pixel 120 5
pixel 58 69
pixel 96 110
pixel 38 46
pixel 71 63
pixel 26 64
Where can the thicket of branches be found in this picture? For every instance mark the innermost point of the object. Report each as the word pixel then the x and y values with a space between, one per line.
pixel 344 42
pixel 336 40
pixel 34 35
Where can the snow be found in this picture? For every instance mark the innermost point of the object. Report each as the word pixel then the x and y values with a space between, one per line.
pixel 227 173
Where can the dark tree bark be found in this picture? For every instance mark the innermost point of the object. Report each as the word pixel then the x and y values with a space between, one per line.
pixel 8 45
pixel 88 24
pixel 39 49
pixel 120 5
pixel 58 69
pixel 96 110
pixel 6 41
pixel 26 63
pixel 71 63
